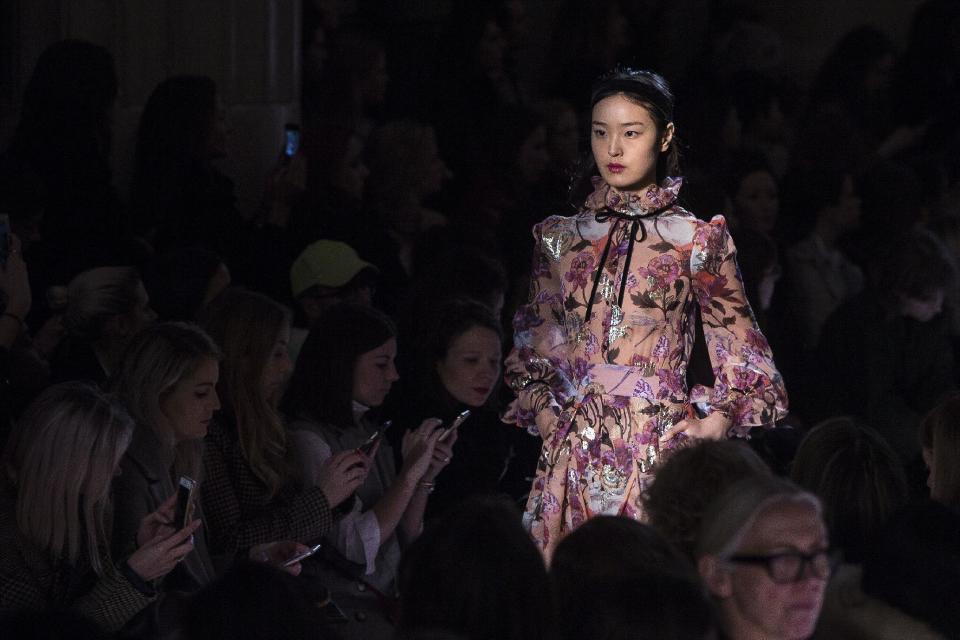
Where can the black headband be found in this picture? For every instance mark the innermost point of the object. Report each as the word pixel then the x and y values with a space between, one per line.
pixel 642 89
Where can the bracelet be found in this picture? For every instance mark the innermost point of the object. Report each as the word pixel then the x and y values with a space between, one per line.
pixel 7 314
pixel 429 485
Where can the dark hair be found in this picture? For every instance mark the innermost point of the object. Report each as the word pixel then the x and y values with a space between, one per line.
pixel 917 266
pixel 321 386
pixel 842 73
pixel 171 138
pixel 690 480
pixel 856 475
pixel 431 338
pixel 445 268
pixel 609 547
pixel 177 281
pixel 476 572
pixel 649 90
pixel 915 565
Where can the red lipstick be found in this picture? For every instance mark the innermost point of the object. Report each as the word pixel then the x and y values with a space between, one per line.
pixel 613 167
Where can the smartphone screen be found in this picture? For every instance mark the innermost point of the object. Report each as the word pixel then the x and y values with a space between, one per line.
pixel 4 238
pixel 291 140
pixel 372 441
pixel 185 493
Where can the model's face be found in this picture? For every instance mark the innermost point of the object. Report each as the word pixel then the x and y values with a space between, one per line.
pixel 757 201
pixel 188 408
pixel 471 368
pixel 351 175
pixel 626 144
pixel 374 373
pixel 278 366
pixel 756 605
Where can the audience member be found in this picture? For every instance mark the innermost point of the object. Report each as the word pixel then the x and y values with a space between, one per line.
pixel 251 493
pixel 55 551
pixel 182 281
pixel 452 365
pixel 690 481
pixel 858 478
pixel 940 446
pixel 344 372
pixel 475 572
pixel 105 308
pixel 764 553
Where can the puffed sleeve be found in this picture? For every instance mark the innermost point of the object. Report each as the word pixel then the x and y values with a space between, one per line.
pixel 747 386
pixel 539 339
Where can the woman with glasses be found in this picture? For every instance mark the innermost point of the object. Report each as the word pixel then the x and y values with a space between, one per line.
pixel 764 554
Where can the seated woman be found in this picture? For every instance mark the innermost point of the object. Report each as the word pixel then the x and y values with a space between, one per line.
pixel 105 307
pixel 453 364
pixel 168 383
pixel 345 369
pixel 55 508
pixel 252 494
pixel 764 554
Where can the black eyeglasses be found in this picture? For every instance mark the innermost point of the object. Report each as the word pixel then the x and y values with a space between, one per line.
pixel 790 566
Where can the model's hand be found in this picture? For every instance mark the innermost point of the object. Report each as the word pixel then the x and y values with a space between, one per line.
pixel 713 427
pixel 342 474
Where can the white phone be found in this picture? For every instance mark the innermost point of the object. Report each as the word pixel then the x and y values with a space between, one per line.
pixel 301 556
pixel 453 425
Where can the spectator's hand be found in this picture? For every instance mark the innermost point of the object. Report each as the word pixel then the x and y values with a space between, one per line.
pixel 417 448
pixel 158 524
pixel 442 455
pixel 284 185
pixel 343 474
pixel 160 555
pixel 15 281
pixel 276 554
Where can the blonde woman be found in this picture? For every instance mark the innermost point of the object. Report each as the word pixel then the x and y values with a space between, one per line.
pixel 105 308
pixel 55 513
pixel 252 492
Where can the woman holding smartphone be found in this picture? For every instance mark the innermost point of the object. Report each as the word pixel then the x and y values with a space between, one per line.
pixel 55 512
pixel 344 372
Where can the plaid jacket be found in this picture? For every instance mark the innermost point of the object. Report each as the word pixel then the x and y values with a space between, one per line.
pixel 238 508
pixel 29 580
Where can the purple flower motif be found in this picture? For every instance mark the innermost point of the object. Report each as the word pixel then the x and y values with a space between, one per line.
pixel 671 383
pixel 581 267
pixel 661 349
pixel 526 318
pixel 756 340
pixel 664 269
pixel 592 345
pixel 744 378
pixel 643 390
pixel 619 402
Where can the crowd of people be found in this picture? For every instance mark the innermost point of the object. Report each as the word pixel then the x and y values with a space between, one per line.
pixel 301 365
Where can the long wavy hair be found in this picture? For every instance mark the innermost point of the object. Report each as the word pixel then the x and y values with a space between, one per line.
pixel 156 360
pixel 60 462
pixel 245 325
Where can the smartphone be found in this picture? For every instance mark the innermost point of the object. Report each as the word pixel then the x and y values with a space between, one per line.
pixel 4 238
pixel 333 613
pixel 300 556
pixel 372 441
pixel 185 494
pixel 291 140
pixel 453 425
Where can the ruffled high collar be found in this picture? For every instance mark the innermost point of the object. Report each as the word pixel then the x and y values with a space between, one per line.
pixel 633 204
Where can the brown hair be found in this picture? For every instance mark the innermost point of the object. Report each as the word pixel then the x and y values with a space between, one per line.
pixel 690 481
pixel 940 434
pixel 60 461
pixel 246 324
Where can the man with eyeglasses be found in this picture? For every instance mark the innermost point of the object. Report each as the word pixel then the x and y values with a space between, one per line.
pixel 764 555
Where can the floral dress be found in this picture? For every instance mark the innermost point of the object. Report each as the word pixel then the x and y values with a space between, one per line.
pixel 601 350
